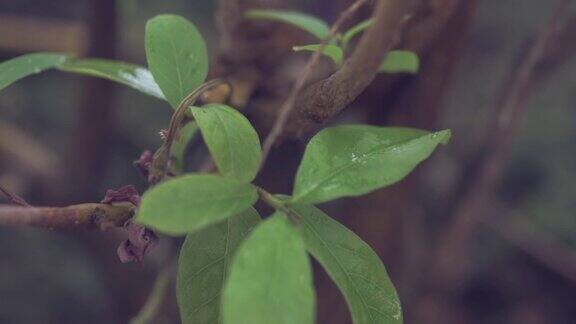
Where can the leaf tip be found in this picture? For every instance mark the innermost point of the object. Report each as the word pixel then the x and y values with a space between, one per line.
pixel 444 136
pixel 415 62
pixel 400 61
pixel 255 13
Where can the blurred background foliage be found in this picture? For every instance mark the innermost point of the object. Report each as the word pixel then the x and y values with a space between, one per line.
pixel 65 277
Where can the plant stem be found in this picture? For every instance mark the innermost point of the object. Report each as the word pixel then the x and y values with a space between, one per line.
pixel 279 205
pixel 14 197
pixel 151 308
pixel 270 199
pixel 288 105
pixel 89 216
pixel 159 166
pixel 324 99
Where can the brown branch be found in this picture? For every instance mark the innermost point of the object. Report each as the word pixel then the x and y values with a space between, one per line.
pixel 235 31
pixel 330 96
pixel 246 46
pixel 14 197
pixel 542 246
pixel 87 216
pixel 427 22
pixel 152 307
pixel 158 169
pixel 289 104
pixel 228 17
pixel 481 175
pixel 562 50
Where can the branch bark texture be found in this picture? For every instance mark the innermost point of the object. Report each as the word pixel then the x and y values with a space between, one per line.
pixel 328 97
pixel 289 104
pixel 82 216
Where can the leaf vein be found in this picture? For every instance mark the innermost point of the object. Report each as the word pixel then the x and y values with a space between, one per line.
pixel 361 297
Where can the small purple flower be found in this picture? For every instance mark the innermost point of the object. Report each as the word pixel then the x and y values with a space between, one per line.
pixel 127 193
pixel 143 163
pixel 140 241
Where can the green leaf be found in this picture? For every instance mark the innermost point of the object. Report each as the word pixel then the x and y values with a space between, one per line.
pixel 177 56
pixel 353 160
pixel 400 62
pixel 25 65
pixel 354 267
pixel 333 52
pixel 352 32
pixel 178 149
pixel 131 75
pixel 188 203
pixel 204 264
pixel 270 279
pixel 303 21
pixel 231 139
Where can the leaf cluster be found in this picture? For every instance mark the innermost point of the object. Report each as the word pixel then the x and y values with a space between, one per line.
pixel 235 267
pixel 395 61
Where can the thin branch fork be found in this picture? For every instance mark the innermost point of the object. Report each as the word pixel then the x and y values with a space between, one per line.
pixel 480 176
pixel 82 216
pixel 541 245
pixel 327 98
pixel 288 105
pixel 14 197
pixel 153 305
